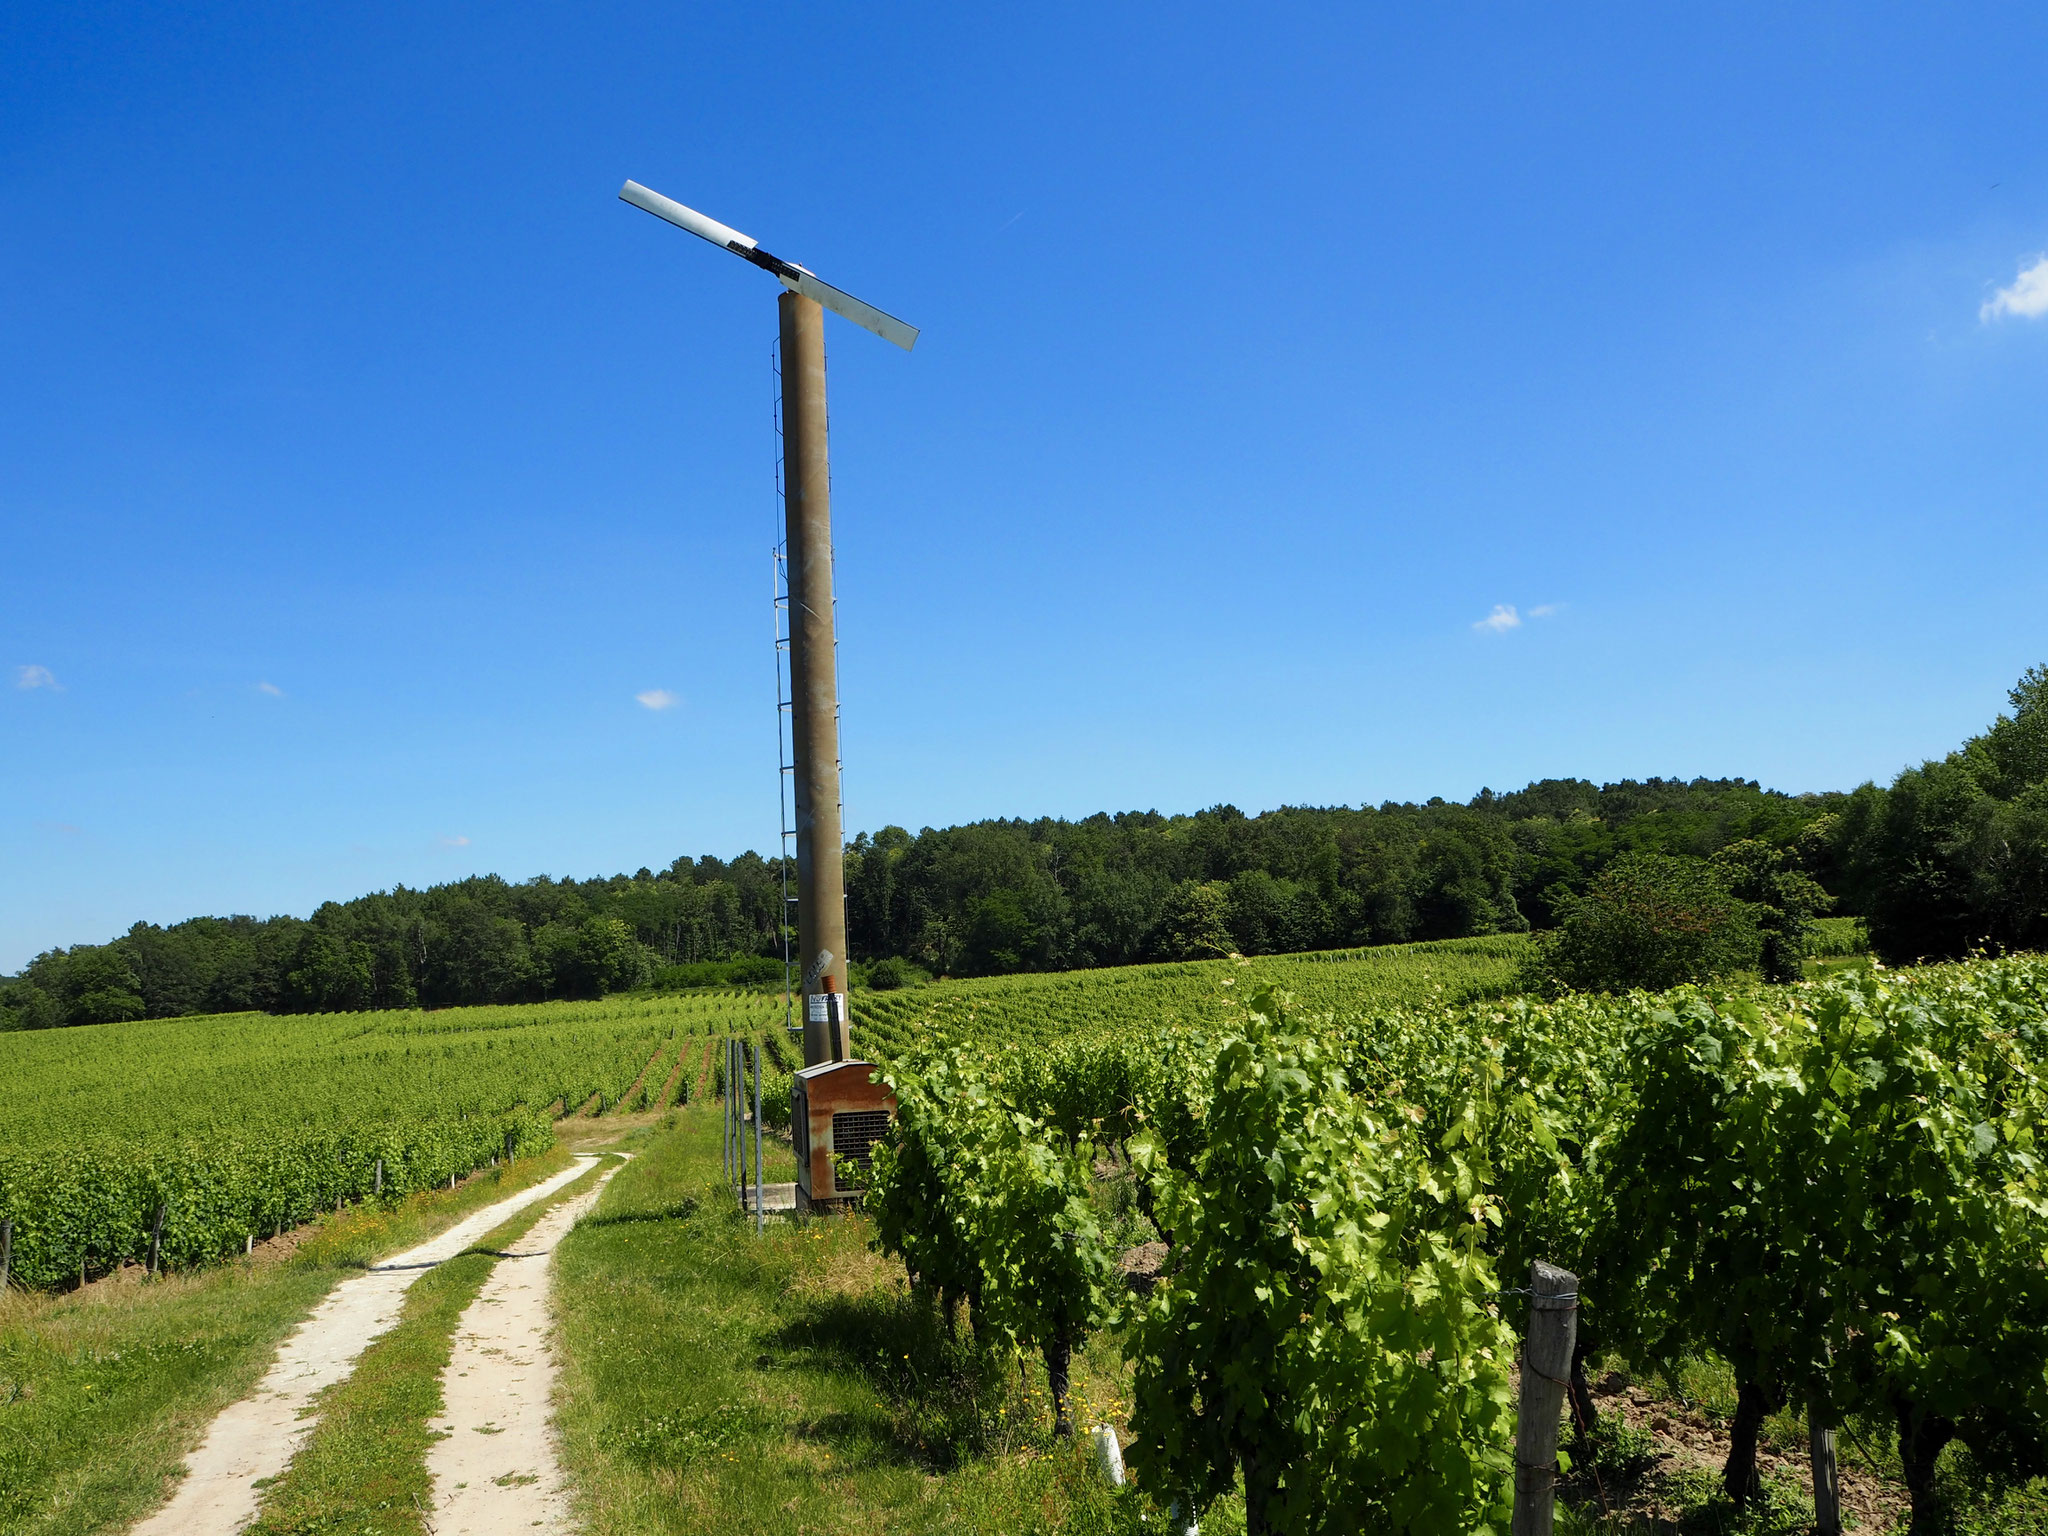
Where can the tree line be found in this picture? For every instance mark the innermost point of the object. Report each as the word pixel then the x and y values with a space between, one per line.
pixel 1951 857
pixel 480 940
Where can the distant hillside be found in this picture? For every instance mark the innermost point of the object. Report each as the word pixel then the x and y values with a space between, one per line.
pixel 985 898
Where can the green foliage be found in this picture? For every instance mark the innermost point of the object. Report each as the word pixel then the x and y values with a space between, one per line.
pixel 981 1203
pixel 1783 898
pixel 608 958
pixel 1197 921
pixel 1953 857
pixel 476 941
pixel 1837 1189
pixel 1835 1186
pixel 242 1125
pixel 1046 1271
pixel 1838 938
pixel 1650 921
pixel 989 898
pixel 24 1005
pixel 331 974
pixel 890 974
pixel 93 984
pixel 1104 890
pixel 1327 1329
pixel 915 1189
pixel 746 971
pixel 1042 1009
pixel 89 1206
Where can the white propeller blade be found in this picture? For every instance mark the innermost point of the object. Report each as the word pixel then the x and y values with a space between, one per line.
pixel 862 314
pixel 685 218
pixel 802 279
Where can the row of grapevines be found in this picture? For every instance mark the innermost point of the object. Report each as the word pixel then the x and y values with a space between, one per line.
pixel 1037 1009
pixel 239 1125
pixel 1836 1186
pixel 1328 1329
pixel 90 1207
pixel 984 1204
pixel 1839 1189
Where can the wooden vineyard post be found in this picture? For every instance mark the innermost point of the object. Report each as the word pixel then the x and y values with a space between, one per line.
pixel 6 1250
pixel 156 1237
pixel 1546 1364
pixel 1827 1482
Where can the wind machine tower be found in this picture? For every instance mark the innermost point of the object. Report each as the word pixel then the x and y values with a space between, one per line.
pixel 836 1108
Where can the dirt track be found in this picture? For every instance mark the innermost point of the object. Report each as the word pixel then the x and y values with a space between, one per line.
pixel 496 1469
pixel 254 1440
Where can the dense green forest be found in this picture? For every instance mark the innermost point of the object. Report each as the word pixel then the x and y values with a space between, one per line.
pixel 989 897
pixel 1953 856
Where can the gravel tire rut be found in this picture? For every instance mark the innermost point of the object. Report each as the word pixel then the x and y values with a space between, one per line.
pixel 253 1440
pixel 495 1469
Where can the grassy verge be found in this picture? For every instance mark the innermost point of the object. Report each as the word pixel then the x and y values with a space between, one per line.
pixel 103 1391
pixel 364 1468
pixel 715 1381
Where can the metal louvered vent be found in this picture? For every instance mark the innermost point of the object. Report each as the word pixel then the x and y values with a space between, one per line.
pixel 854 1131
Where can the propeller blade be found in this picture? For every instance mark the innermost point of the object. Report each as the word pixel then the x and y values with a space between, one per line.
pixel 698 224
pixel 864 315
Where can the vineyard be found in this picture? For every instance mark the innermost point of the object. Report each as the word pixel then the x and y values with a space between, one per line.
pixel 1835 1187
pixel 238 1126
pixel 1348 1160
pixel 1038 1009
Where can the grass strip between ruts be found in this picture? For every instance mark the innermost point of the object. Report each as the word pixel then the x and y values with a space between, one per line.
pixel 364 1468
pixel 103 1392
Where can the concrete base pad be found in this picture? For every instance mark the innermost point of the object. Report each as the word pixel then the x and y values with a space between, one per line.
pixel 774 1198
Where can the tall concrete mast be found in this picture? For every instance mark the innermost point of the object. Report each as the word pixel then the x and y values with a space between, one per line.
pixel 813 660
pixel 813 682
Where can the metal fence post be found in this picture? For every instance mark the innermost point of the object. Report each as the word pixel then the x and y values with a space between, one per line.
pixel 1546 1365
pixel 759 1218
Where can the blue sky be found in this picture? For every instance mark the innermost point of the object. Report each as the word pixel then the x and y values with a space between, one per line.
pixel 362 460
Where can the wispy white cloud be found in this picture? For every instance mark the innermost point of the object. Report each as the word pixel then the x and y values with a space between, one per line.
pixel 270 688
pixel 1507 616
pixel 37 677
pixel 2026 299
pixel 454 842
pixel 658 698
